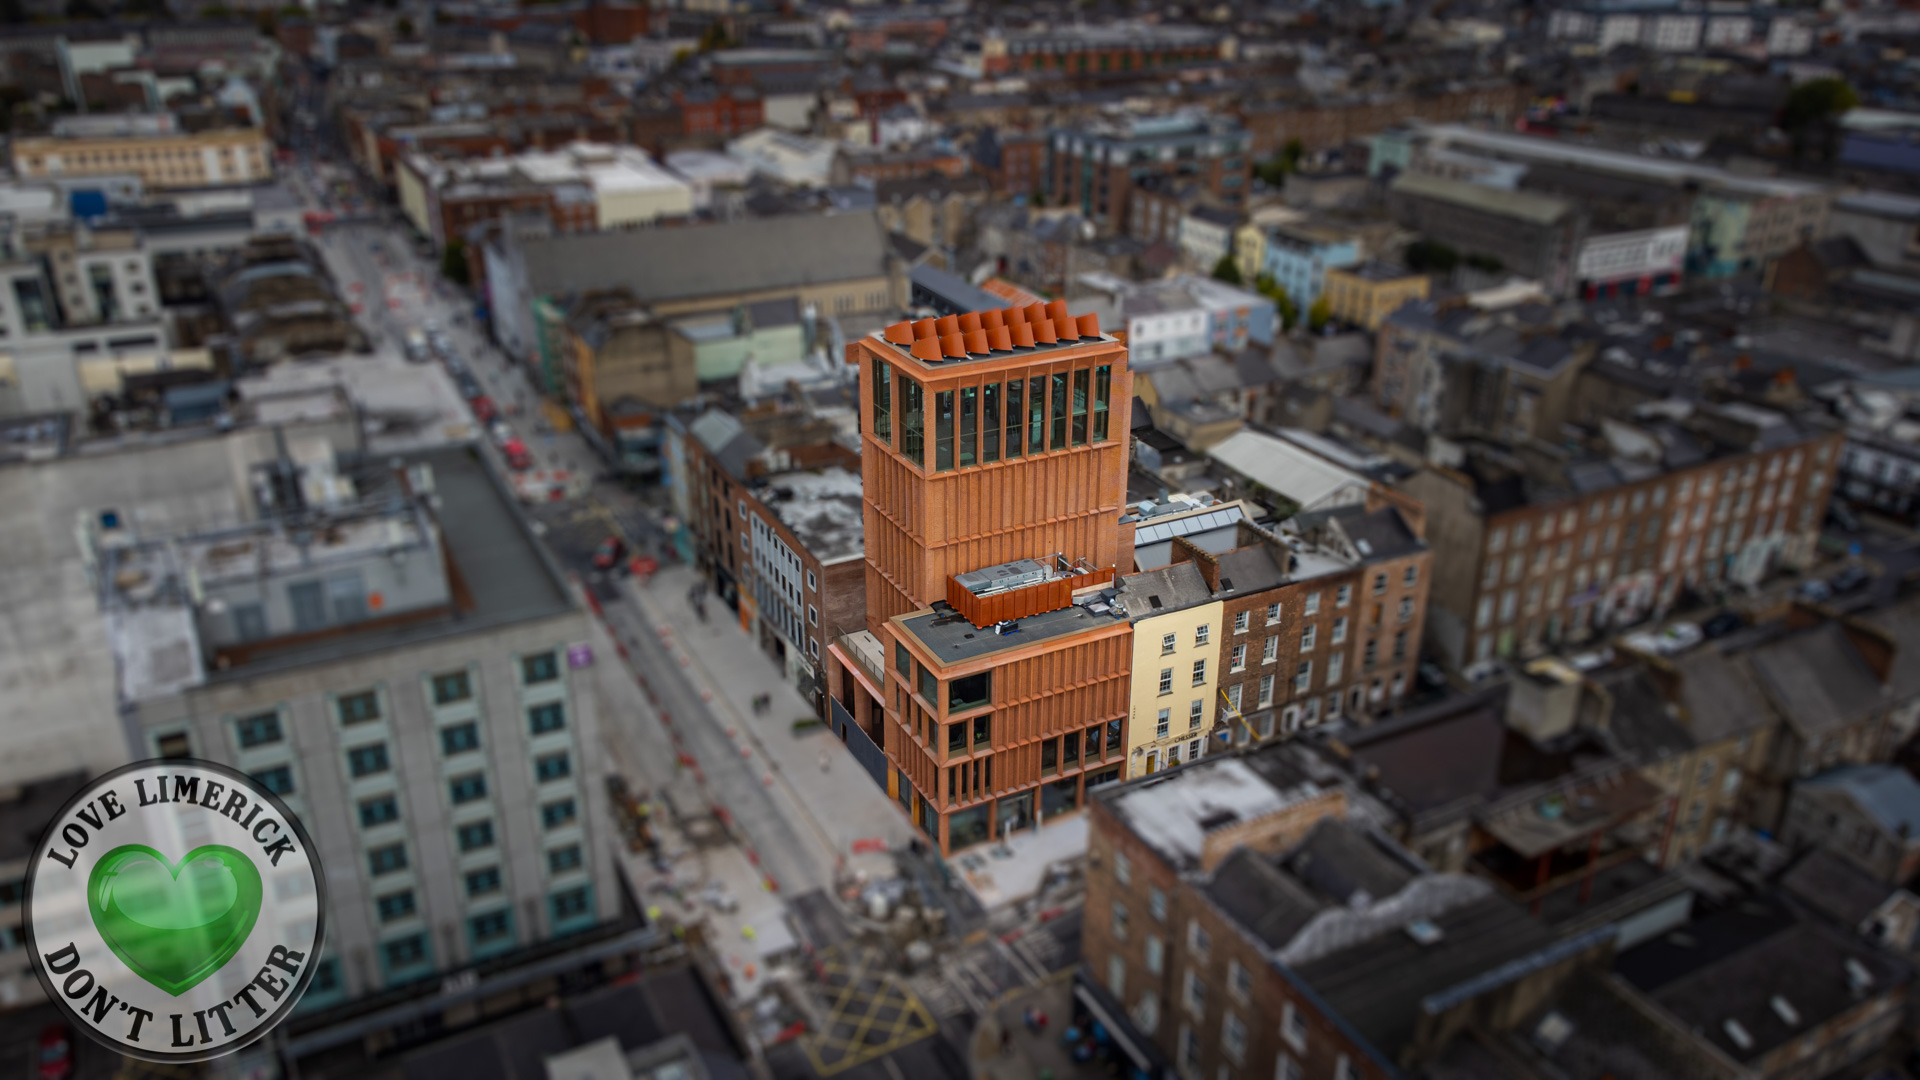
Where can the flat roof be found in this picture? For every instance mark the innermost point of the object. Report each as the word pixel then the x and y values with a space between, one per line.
pixel 1571 154
pixel 951 639
pixel 500 566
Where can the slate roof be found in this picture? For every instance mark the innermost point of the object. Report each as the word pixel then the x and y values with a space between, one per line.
pixel 1639 723
pixel 1174 587
pixel 1524 206
pixel 1835 887
pixel 703 260
pixel 1378 985
pixel 1339 861
pixel 1816 680
pixel 1886 793
pixel 1718 699
pixel 1378 534
pixel 1806 965
pixel 1255 893
pixel 1900 622
pixel 1435 757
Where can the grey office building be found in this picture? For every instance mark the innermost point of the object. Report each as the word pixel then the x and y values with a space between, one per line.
pixel 382 641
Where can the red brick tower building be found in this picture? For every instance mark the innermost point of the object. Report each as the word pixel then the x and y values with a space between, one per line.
pixel 994 472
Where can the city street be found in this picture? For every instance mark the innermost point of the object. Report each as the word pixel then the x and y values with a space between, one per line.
pixel 806 817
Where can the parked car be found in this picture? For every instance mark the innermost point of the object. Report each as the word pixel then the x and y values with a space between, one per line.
pixel 608 553
pixel 484 410
pixel 1591 661
pixel 1814 592
pixel 1849 579
pixel 1483 671
pixel 54 1059
pixel 500 433
pixel 1842 518
pixel 518 459
pixel 1432 676
pixel 1667 641
pixel 1646 641
pixel 468 385
pixel 1681 636
pixel 1723 624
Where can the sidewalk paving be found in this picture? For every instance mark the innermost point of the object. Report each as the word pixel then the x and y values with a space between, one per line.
pixel 1029 1055
pixel 998 881
pixel 842 801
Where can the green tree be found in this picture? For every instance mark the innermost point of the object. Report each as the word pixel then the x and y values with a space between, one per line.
pixel 1431 256
pixel 453 262
pixel 715 37
pixel 1228 271
pixel 215 11
pixel 1816 100
pixel 403 26
pixel 1289 311
pixel 1319 314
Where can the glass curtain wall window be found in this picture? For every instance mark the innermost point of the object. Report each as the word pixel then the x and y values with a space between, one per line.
pixel 883 401
pixel 943 430
pixel 1016 419
pixel 913 434
pixel 969 426
pixel 1036 414
pixel 1059 440
pixel 1080 406
pixel 1102 393
pixel 990 423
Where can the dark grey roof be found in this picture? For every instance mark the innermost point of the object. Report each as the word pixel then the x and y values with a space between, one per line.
pixel 1836 888
pixel 1640 724
pixel 1338 861
pixel 1900 622
pixel 1169 588
pixel 949 637
pixel 1717 699
pixel 693 261
pixel 1611 1037
pixel 1378 534
pixel 1805 964
pixel 1816 679
pixel 1364 417
pixel 1250 569
pixel 1432 758
pixel 1270 904
pixel 953 290
pixel 1378 985
pixel 1887 794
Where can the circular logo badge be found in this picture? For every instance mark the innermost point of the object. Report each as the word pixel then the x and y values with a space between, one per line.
pixel 175 909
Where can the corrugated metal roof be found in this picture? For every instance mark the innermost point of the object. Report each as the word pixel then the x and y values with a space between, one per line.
pixel 1154 532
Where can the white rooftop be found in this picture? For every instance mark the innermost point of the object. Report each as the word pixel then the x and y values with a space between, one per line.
pixel 1289 470
pixel 1617 162
pixel 1174 815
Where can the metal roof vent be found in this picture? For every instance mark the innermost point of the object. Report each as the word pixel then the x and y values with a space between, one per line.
pixel 1424 932
pixel 1738 1033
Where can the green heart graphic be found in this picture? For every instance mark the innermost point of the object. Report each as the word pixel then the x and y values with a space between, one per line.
pixel 174 924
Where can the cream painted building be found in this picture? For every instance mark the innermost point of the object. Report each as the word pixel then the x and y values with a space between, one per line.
pixel 161 159
pixel 1365 295
pixel 1176 651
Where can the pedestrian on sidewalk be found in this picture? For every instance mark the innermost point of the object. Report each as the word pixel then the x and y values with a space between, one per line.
pixel 826 763
pixel 1006 1041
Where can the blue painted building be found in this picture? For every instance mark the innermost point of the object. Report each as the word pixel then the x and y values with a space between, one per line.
pixel 1298 258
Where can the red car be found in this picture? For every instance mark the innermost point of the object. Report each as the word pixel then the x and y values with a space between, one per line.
pixel 518 459
pixel 55 1057
pixel 483 409
pixel 608 553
